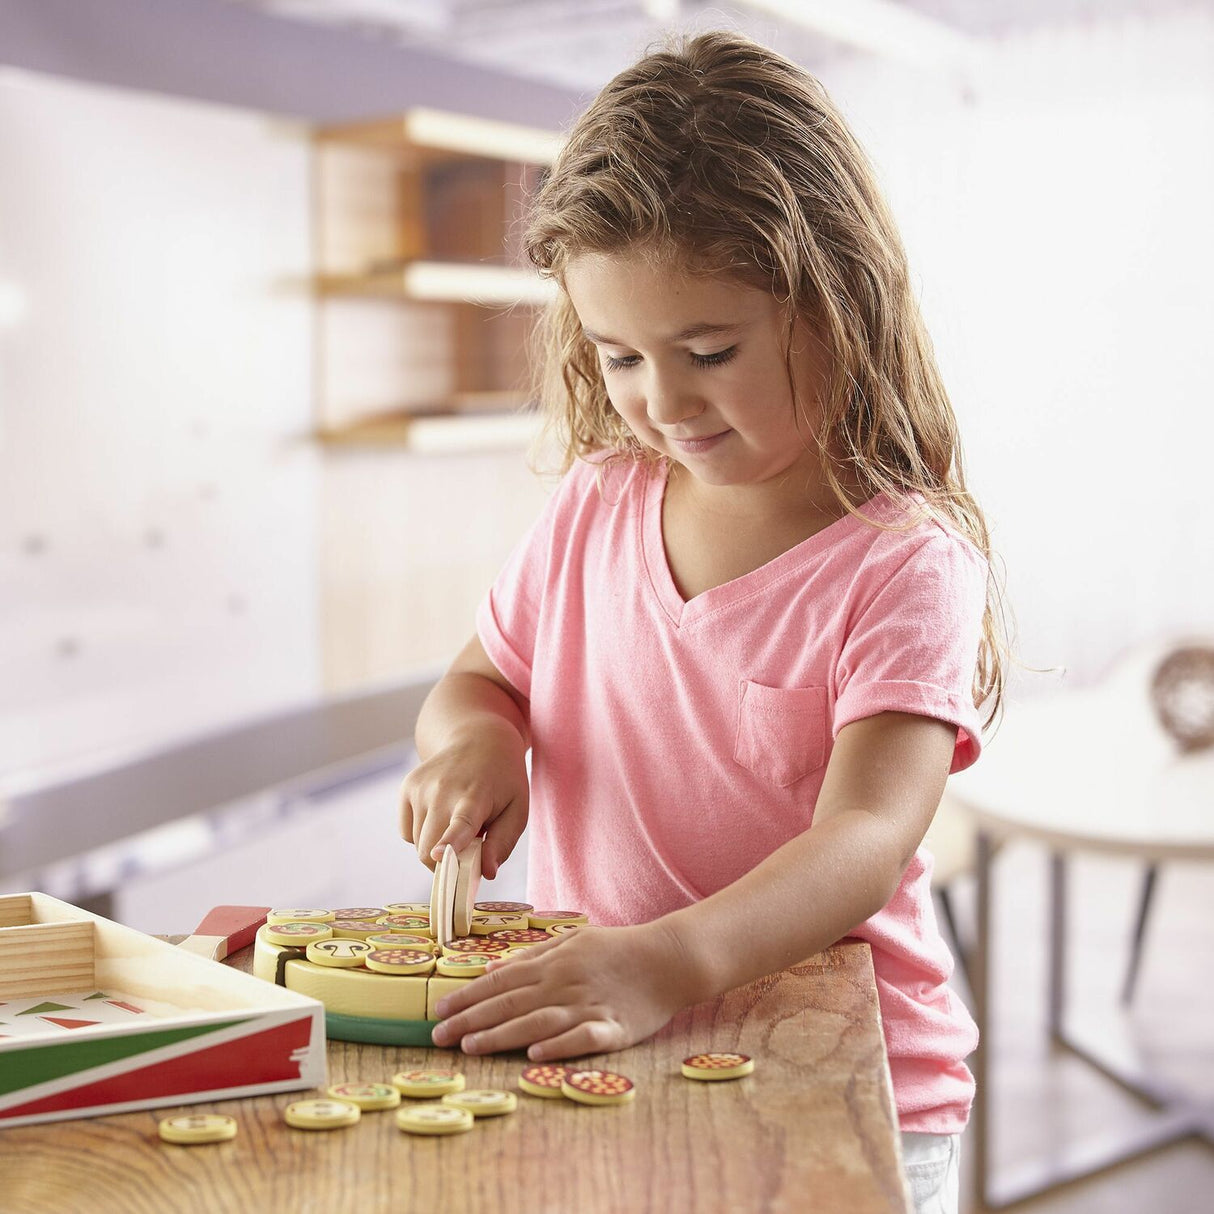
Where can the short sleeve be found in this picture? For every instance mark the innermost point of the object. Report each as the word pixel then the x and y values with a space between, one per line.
pixel 508 618
pixel 914 646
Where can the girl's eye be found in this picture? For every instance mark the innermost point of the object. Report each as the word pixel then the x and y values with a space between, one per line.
pixel 719 359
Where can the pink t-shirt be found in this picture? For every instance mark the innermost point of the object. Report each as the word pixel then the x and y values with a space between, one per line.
pixel 678 744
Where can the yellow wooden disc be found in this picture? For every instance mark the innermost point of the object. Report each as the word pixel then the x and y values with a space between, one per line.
pixel 483 924
pixel 402 940
pixel 712 1067
pixel 345 954
pixel 356 929
pixel 193 1129
pixel 543 1079
pixel 550 918
pixel 297 932
pixel 433 1119
pixel 300 916
pixel 408 908
pixel 421 1084
pixel 473 944
pixel 400 961
pixel 367 1096
pixel 321 1114
pixel 597 1087
pixel 419 925
pixel 483 1102
pixel 465 965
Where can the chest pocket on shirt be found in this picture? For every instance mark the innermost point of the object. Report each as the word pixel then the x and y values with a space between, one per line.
pixel 781 731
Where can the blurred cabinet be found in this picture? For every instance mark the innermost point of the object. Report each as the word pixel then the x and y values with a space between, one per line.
pixel 424 302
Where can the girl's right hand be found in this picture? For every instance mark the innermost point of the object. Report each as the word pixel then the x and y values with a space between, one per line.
pixel 477 781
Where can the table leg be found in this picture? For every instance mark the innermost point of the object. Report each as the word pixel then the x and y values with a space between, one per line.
pixel 1058 938
pixel 980 980
pixel 1179 1117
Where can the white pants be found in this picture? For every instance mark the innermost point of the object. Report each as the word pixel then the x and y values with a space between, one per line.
pixel 933 1167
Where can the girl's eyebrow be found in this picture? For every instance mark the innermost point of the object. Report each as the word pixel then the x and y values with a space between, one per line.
pixel 701 329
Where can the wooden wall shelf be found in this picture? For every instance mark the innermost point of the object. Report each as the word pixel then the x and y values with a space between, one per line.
pixel 426 130
pixel 444 282
pixel 436 431
pixel 423 296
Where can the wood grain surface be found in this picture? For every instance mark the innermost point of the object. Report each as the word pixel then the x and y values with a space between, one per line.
pixel 812 1129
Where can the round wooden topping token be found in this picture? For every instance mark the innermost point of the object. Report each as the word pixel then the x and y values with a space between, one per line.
pixel 300 916
pixel 561 929
pixel 434 1119
pixel 300 934
pixel 345 954
pixel 321 1114
pixel 399 961
pixel 546 918
pixel 515 936
pixel 503 908
pixel 418 924
pixel 367 1096
pixel 408 908
pixel 473 944
pixel 483 1102
pixel 483 924
pixel 718 1066
pixel 427 1083
pixel 597 1087
pixel 359 912
pixel 355 929
pixel 543 1079
pixel 195 1128
pixel 467 881
pixel 465 965
pixel 402 940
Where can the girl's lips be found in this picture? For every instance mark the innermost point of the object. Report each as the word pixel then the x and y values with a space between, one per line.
pixel 694 446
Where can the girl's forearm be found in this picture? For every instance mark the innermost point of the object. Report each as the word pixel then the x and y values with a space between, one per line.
pixel 464 701
pixel 801 899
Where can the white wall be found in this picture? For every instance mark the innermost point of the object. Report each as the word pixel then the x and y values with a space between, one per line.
pixel 1059 227
pixel 157 502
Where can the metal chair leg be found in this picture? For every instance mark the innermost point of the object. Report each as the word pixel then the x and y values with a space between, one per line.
pixel 944 899
pixel 1140 927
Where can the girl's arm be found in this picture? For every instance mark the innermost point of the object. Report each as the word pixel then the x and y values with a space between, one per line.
pixel 472 735
pixel 606 988
pixel 884 781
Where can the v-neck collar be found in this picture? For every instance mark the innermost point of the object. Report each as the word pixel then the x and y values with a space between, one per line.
pixel 682 611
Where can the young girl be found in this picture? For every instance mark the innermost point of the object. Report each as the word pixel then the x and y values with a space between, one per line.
pixel 746 639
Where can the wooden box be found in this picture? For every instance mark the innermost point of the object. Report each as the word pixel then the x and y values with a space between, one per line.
pixel 99 1018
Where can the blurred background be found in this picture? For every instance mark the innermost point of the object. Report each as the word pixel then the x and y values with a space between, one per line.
pixel 261 453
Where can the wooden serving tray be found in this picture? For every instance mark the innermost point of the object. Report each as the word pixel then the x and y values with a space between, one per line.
pixel 99 1018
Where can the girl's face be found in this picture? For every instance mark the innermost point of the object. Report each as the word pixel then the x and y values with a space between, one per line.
pixel 695 365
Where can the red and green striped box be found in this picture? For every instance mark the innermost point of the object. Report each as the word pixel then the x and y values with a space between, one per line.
pixel 98 1018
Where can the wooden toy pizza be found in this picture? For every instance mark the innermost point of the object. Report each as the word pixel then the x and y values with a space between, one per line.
pixel 381 970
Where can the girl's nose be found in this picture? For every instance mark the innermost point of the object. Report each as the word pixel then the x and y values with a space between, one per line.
pixel 668 402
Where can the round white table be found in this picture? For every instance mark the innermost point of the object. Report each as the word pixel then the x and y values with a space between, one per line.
pixel 1093 772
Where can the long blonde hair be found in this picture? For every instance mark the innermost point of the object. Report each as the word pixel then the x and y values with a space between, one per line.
pixel 727 158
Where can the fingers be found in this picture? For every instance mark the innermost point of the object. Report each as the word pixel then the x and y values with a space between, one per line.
pixel 502 981
pixel 516 1034
pixel 488 1014
pixel 467 814
pixel 503 833
pixel 517 955
pixel 587 1037
pixel 406 813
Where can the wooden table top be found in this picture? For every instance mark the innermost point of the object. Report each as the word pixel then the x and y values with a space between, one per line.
pixel 813 1127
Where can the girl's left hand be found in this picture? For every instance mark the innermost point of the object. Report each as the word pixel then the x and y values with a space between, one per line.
pixel 585 992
